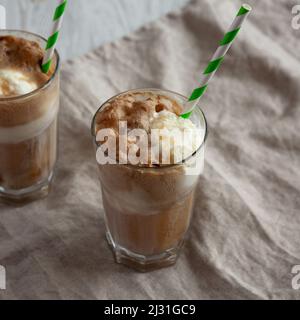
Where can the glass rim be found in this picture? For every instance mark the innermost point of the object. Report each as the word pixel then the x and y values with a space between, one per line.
pixel 47 83
pixel 153 89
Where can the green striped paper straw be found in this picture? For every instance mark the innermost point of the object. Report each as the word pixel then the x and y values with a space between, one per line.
pixel 52 40
pixel 216 60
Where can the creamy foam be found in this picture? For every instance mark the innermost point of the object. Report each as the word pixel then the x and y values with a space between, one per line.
pixel 14 83
pixel 29 130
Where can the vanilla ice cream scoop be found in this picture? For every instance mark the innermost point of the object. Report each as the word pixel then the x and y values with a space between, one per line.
pixel 180 137
pixel 14 83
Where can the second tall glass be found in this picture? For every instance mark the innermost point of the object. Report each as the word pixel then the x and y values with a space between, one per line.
pixel 28 135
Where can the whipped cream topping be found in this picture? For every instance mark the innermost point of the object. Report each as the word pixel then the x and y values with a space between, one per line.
pixel 14 83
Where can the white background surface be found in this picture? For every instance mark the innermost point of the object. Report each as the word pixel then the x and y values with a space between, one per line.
pixel 88 23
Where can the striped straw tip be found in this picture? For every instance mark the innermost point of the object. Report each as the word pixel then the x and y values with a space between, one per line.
pixel 246 7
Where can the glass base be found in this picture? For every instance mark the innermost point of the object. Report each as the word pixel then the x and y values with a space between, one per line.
pixel 143 263
pixel 38 191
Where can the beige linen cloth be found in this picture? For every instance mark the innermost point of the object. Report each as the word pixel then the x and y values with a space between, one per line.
pixel 245 233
